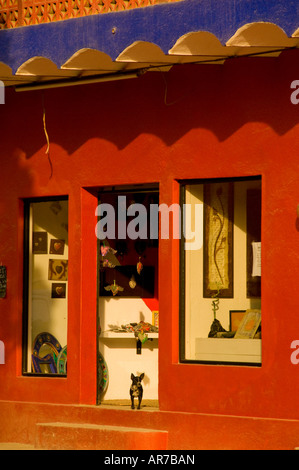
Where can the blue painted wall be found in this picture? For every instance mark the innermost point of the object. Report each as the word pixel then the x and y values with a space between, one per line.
pixel 160 24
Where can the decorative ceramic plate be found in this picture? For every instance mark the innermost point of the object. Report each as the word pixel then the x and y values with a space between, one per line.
pixel 62 361
pixel 103 375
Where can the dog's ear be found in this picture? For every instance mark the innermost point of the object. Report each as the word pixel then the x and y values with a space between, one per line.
pixel 132 376
pixel 141 376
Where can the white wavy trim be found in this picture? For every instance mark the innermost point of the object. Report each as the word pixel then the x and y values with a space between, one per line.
pixel 260 38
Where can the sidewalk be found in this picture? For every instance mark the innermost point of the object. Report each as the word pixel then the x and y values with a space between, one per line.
pixel 15 446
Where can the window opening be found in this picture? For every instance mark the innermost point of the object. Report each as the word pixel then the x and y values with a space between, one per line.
pixel 128 294
pixel 220 306
pixel 45 287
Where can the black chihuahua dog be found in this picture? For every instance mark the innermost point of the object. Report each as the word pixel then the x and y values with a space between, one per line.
pixel 136 390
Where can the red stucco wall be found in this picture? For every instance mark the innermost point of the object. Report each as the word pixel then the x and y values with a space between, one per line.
pixel 193 122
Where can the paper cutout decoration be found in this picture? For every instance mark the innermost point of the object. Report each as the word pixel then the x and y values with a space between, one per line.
pixel 114 288
pixel 256 254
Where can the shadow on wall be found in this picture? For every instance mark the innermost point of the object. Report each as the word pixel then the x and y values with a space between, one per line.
pixel 219 98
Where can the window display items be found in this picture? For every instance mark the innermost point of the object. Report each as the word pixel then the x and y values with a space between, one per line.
pixel 114 288
pixel 249 325
pixel 46 364
pixel 216 326
pixel 132 282
pixel 139 266
pixel 58 270
pixel 218 214
pixel 103 375
pixel 107 256
pixel 58 290
pixel 40 243
pixel 57 247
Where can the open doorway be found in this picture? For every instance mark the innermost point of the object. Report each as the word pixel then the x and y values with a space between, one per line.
pixel 128 303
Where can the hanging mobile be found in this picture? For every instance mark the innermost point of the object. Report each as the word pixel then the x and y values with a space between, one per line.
pixel 139 266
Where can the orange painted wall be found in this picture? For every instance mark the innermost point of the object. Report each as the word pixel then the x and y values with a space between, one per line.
pixel 193 122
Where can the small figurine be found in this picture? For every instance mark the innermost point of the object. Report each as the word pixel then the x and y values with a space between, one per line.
pixel 136 390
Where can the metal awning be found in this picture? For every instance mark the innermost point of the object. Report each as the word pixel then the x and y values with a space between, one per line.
pixel 124 44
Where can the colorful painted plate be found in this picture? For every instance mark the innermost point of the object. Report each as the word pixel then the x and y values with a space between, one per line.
pixel 62 361
pixel 103 376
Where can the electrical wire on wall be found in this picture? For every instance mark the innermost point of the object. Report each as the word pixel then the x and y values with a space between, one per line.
pixel 170 103
pixel 47 137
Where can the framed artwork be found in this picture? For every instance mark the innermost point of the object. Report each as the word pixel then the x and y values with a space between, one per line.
pixel 58 290
pixel 57 246
pixel 249 325
pixel 235 318
pixel 218 240
pixel 253 238
pixel 58 270
pixel 40 243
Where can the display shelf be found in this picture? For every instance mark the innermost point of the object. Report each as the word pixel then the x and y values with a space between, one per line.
pixel 124 335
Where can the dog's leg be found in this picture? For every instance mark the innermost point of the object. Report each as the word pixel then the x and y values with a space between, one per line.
pixel 132 403
pixel 139 402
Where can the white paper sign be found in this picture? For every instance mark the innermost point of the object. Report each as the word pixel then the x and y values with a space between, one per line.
pixel 256 265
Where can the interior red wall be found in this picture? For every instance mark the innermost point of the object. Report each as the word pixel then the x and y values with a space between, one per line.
pixel 193 122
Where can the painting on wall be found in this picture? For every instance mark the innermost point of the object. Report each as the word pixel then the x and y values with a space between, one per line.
pixel 58 290
pixel 57 246
pixel 40 243
pixel 218 240
pixel 58 270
